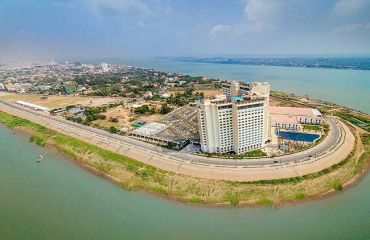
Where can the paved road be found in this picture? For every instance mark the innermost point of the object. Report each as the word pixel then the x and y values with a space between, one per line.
pixel 330 141
pixel 325 146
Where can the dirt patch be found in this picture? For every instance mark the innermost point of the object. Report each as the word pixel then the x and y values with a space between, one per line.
pixel 211 93
pixel 60 101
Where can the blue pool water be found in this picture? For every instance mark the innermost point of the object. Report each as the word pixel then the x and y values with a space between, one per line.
pixel 296 136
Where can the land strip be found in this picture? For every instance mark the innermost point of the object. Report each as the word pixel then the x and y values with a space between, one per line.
pixel 202 167
pixel 132 174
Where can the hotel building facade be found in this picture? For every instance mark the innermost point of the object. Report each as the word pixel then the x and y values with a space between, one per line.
pixel 238 123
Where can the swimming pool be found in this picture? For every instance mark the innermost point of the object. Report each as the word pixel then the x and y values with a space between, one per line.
pixel 297 136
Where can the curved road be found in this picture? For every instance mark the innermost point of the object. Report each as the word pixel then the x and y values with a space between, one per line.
pixel 177 161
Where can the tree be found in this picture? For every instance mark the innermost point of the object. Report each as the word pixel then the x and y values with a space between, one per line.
pixel 165 109
pixel 153 110
pixel 141 110
pixel 113 129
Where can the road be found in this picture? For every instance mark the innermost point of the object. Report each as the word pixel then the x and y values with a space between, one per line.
pixel 195 165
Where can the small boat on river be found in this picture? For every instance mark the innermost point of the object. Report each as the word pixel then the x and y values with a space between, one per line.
pixel 40 158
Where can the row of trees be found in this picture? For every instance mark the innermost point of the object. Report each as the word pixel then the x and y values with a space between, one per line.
pixel 181 99
pixel 146 109
pixel 90 114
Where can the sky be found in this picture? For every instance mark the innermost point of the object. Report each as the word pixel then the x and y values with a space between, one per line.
pixel 42 29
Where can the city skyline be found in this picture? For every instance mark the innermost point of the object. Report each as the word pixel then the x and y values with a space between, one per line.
pixel 126 28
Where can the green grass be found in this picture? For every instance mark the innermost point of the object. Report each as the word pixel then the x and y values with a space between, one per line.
pixel 196 200
pixel 159 189
pixel 233 198
pixel 13 122
pixel 250 154
pixel 39 140
pixel 299 196
pixel 355 119
pixel 337 185
pixel 40 134
pixel 265 202
pixel 145 172
pixel 287 96
pixel 310 127
pixel 254 153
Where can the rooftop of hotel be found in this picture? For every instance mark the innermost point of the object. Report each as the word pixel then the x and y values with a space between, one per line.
pixel 284 119
pixel 237 99
pixel 295 111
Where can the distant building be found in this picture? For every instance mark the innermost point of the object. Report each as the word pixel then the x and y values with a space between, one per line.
pixel 16 87
pixel 235 88
pixel 69 88
pixel 42 87
pixel 104 67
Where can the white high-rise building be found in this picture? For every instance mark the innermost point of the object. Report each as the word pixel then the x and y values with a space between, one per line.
pixel 104 67
pixel 237 124
pixel 235 88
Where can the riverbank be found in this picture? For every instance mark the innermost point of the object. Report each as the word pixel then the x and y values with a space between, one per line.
pixel 134 175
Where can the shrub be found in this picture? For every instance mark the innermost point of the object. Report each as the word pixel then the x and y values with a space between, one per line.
pixel 113 129
pixel 337 185
pixel 114 119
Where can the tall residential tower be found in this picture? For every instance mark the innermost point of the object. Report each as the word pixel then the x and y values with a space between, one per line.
pixel 238 123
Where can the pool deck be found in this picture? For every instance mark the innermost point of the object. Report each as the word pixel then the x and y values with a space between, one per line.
pixel 299 136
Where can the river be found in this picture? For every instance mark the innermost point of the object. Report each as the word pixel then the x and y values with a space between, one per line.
pixel 56 199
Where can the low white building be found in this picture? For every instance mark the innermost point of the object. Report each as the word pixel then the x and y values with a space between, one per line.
pixel 284 121
pixel 32 106
pixel 104 67
pixel 291 118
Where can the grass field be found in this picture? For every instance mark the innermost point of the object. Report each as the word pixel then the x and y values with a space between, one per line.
pixel 250 154
pixel 311 127
pixel 132 174
pixel 360 121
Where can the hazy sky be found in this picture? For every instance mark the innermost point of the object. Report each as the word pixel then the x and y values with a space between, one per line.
pixel 33 29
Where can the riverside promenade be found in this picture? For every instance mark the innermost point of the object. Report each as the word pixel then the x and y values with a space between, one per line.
pixel 332 150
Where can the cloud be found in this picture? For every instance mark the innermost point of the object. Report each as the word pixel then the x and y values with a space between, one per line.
pixel 220 29
pixel 349 7
pixel 264 12
pixel 353 28
pixel 65 4
pixel 136 10
pixel 258 16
